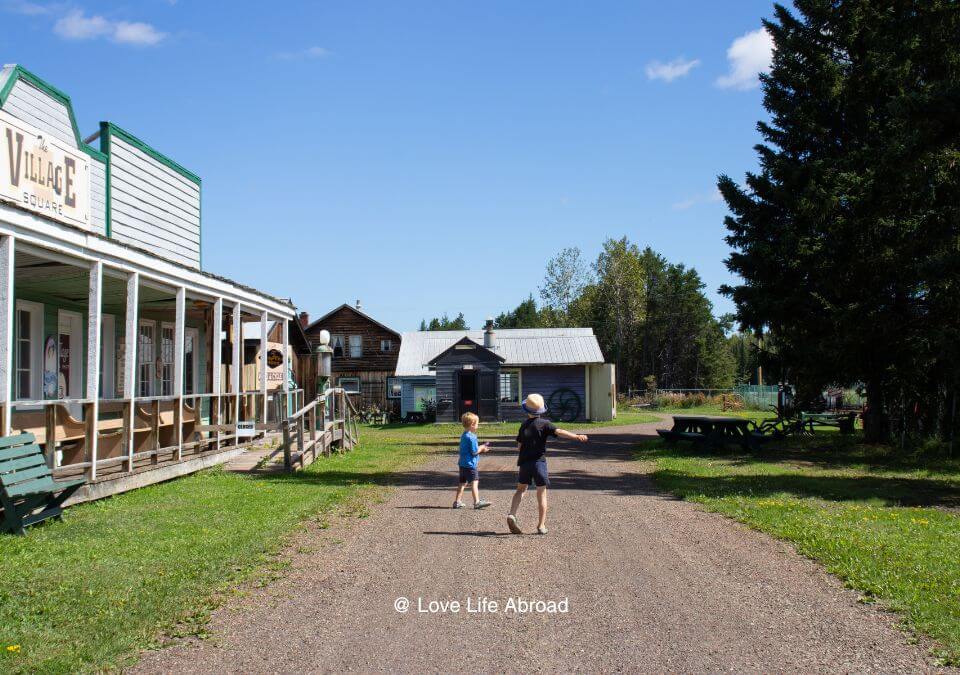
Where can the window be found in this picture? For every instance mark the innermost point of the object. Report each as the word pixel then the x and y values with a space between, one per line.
pixel 145 359
pixel 336 341
pixel 386 345
pixel 510 386
pixel 165 367
pixel 356 346
pixel 27 343
pixel 394 387
pixel 191 342
pixel 421 395
pixel 350 384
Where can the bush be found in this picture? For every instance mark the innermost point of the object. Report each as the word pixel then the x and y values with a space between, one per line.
pixel 697 399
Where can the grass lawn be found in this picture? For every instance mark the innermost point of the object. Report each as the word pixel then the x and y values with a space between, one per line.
pixel 888 525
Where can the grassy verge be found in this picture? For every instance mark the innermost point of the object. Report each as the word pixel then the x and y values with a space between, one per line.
pixel 888 525
pixel 87 593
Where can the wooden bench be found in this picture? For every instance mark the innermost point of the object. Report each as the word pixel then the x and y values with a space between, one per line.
pixel 27 485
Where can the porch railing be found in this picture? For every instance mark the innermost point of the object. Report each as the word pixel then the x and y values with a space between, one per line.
pixel 326 423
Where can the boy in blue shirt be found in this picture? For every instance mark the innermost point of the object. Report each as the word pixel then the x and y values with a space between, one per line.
pixel 469 458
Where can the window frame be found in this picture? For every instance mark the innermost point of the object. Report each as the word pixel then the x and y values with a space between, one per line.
pixel 391 382
pixel 341 380
pixel 389 345
pixel 193 381
pixel 359 346
pixel 518 398
pixel 166 367
pixel 343 345
pixel 151 363
pixel 36 343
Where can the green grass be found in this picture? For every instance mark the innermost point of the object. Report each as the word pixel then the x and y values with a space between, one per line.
pixel 887 524
pixel 116 575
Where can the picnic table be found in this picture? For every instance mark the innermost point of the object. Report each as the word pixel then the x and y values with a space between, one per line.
pixel 713 431
pixel 843 421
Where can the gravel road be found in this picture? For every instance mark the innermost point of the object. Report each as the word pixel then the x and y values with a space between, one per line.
pixel 651 584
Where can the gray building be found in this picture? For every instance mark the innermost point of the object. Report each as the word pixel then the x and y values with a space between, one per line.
pixel 490 372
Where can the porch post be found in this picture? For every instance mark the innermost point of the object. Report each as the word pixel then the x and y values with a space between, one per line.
pixel 131 332
pixel 215 385
pixel 94 298
pixel 285 331
pixel 263 367
pixel 178 330
pixel 237 366
pixel 6 332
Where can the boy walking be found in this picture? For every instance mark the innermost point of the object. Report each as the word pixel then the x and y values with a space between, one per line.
pixel 469 459
pixel 532 462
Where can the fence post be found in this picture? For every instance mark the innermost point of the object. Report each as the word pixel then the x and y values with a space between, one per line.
pixel 287 461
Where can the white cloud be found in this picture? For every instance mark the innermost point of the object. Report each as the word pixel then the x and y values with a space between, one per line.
pixel 78 26
pixel 308 53
pixel 749 55
pixel 704 198
pixel 670 71
pixel 26 8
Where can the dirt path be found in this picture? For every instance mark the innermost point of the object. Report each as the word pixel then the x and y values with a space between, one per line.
pixel 652 585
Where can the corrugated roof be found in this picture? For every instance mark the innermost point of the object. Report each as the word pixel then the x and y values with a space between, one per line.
pixel 518 346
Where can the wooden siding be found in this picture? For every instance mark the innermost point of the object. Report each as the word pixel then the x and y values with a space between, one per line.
pixel 373 388
pixel 98 196
pixel 545 380
pixel 34 107
pixel 152 206
pixel 347 322
pixel 446 376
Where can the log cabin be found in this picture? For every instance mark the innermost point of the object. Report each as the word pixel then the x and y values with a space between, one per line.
pixel 364 356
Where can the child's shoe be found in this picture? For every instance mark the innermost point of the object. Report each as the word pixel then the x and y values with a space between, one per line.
pixel 513 524
pixel 541 529
pixel 482 504
pixel 458 505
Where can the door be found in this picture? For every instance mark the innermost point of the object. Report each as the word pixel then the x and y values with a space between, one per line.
pixel 489 396
pixel 69 359
pixel 467 392
pixel 191 362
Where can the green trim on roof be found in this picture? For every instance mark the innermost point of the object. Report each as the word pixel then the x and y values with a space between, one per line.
pixel 107 207
pixel 21 73
pixel 155 154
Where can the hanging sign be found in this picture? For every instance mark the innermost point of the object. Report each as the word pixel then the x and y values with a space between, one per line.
pixel 246 429
pixel 43 174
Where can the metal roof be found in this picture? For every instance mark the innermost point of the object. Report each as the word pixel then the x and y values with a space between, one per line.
pixel 518 346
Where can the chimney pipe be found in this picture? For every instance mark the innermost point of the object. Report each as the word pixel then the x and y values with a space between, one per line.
pixel 489 337
pixel 359 306
pixel 304 319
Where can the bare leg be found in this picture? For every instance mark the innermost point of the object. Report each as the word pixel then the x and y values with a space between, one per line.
pixel 517 496
pixel 542 504
pixel 460 490
pixel 475 490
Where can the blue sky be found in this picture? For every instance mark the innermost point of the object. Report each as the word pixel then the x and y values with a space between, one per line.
pixel 422 157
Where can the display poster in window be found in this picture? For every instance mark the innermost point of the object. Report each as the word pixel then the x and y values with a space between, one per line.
pixel 63 381
pixel 50 367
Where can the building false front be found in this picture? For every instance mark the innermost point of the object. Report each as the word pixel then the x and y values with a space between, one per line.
pixel 112 349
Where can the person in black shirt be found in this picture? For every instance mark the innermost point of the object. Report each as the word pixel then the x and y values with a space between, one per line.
pixel 532 462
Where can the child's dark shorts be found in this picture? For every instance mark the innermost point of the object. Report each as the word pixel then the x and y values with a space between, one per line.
pixel 468 474
pixel 533 473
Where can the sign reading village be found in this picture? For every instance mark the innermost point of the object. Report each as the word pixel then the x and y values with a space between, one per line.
pixel 43 174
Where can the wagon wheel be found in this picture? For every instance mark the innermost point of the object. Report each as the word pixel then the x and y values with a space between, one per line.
pixel 564 405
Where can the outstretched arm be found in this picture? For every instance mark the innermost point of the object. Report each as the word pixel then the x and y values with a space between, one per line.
pixel 562 433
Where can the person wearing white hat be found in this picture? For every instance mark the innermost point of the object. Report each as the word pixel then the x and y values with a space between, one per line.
pixel 532 462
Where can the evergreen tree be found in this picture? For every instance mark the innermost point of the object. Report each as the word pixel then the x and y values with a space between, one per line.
pixel 526 315
pixel 445 323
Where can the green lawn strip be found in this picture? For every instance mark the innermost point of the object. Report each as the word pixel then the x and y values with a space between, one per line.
pixel 885 524
pixel 87 593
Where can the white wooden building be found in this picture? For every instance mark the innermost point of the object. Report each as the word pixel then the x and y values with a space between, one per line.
pixel 116 348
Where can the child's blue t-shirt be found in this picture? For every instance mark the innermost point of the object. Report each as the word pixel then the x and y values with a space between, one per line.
pixel 469 450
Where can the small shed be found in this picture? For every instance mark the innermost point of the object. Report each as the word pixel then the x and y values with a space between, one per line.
pixel 490 372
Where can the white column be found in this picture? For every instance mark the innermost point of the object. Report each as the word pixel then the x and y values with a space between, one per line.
pixel 285 330
pixel 94 298
pixel 263 367
pixel 6 330
pixel 179 325
pixel 131 342
pixel 235 360
pixel 216 346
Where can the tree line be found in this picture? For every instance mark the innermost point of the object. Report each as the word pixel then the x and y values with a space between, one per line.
pixel 847 238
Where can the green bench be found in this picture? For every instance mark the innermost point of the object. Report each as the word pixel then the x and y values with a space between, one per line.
pixel 28 493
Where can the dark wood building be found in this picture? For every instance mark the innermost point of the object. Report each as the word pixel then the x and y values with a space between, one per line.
pixel 364 355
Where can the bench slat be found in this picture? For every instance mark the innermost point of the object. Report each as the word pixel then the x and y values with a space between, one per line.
pixel 32 487
pixel 16 439
pixel 17 477
pixel 22 463
pixel 18 452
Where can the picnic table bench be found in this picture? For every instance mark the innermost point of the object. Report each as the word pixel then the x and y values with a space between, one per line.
pixel 713 431
pixel 843 421
pixel 26 485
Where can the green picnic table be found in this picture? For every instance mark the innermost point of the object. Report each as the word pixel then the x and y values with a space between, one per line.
pixel 710 430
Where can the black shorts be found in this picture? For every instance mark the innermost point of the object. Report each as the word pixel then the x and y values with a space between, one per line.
pixel 533 473
pixel 468 475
